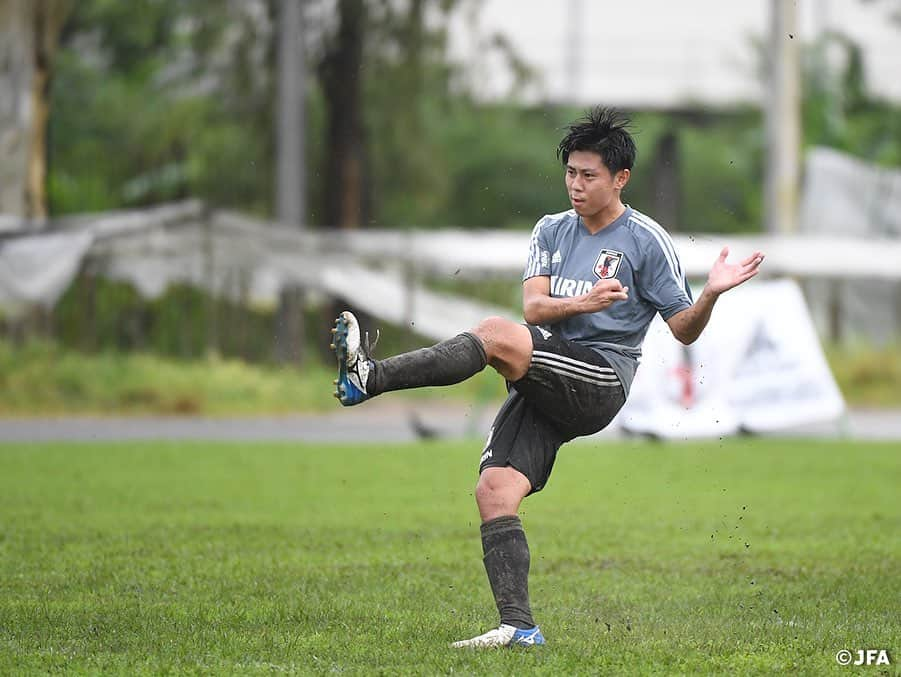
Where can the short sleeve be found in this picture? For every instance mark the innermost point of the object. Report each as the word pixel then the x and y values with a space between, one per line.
pixel 539 261
pixel 662 282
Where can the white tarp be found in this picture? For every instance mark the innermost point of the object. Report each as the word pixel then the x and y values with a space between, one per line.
pixel 180 243
pixel 249 260
pixel 847 196
pixel 758 367
pixel 35 271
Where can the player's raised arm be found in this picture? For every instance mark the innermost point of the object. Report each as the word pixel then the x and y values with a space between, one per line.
pixel 539 307
pixel 688 324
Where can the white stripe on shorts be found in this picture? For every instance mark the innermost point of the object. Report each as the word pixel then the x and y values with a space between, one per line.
pixel 579 377
pixel 587 367
pixel 568 369
pixel 582 371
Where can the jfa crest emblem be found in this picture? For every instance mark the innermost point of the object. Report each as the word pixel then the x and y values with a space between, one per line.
pixel 607 264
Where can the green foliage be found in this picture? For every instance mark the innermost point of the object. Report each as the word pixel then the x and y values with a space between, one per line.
pixel 509 176
pixel 96 314
pixel 45 379
pixel 134 121
pixel 722 170
pixel 166 107
pixel 184 322
pixel 868 376
pixel 741 558
pixel 42 378
pixel 838 112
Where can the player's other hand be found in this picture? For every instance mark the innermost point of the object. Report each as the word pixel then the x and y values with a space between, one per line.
pixel 724 276
pixel 604 294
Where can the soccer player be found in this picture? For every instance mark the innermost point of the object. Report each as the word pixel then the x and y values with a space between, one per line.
pixel 595 277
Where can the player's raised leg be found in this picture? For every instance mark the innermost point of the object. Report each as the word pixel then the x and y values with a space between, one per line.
pixel 503 344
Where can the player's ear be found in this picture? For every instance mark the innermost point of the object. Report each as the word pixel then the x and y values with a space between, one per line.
pixel 621 178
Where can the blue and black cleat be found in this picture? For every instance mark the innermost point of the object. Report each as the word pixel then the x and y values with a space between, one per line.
pixel 354 363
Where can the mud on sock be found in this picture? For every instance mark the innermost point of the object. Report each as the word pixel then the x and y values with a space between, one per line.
pixel 506 558
pixel 443 364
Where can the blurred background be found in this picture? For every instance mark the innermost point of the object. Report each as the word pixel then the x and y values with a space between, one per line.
pixel 189 190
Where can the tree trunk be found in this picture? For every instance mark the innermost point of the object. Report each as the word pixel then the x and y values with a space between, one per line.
pixel 29 33
pixel 16 73
pixel 340 73
pixel 665 174
pixel 341 78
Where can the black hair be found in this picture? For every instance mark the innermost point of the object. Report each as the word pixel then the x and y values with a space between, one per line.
pixel 604 131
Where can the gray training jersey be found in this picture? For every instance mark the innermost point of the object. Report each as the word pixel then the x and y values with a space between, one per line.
pixel 635 250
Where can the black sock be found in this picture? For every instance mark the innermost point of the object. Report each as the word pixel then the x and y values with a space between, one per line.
pixel 507 564
pixel 443 364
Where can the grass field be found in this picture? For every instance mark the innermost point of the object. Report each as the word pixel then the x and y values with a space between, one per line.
pixel 733 557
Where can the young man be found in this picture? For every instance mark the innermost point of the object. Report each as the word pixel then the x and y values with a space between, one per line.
pixel 595 277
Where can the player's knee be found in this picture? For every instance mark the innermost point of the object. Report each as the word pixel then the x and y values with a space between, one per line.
pixel 491 328
pixel 499 486
pixel 497 336
pixel 482 493
pixel 486 489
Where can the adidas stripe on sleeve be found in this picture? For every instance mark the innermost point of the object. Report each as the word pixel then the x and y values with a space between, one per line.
pixel 539 261
pixel 663 278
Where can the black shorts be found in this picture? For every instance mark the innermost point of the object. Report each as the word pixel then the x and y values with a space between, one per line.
pixel 568 391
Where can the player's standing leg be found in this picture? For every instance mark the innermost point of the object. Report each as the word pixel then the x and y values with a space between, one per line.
pixel 499 493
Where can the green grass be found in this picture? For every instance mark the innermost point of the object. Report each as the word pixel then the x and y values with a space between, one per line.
pixel 737 557
pixel 868 376
pixel 44 379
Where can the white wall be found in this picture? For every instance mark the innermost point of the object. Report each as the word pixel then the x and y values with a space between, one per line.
pixel 658 53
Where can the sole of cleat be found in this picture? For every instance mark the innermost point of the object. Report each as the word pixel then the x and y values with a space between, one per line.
pixel 339 346
pixel 346 391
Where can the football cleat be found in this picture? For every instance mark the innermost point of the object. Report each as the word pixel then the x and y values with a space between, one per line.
pixel 354 362
pixel 505 635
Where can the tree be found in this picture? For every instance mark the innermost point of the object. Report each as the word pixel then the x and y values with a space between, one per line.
pixel 29 32
pixel 340 74
pixel 176 103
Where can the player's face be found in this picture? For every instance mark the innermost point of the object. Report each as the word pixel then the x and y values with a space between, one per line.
pixel 592 189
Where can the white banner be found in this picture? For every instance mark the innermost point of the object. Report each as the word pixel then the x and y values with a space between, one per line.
pixel 758 367
pixel 37 270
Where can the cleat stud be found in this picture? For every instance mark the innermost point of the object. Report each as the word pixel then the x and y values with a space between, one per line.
pixel 335 382
pixel 331 345
pixel 334 330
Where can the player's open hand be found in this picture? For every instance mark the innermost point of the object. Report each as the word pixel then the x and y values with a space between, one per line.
pixel 724 276
pixel 604 294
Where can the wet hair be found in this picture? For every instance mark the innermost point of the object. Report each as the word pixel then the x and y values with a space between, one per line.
pixel 604 131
